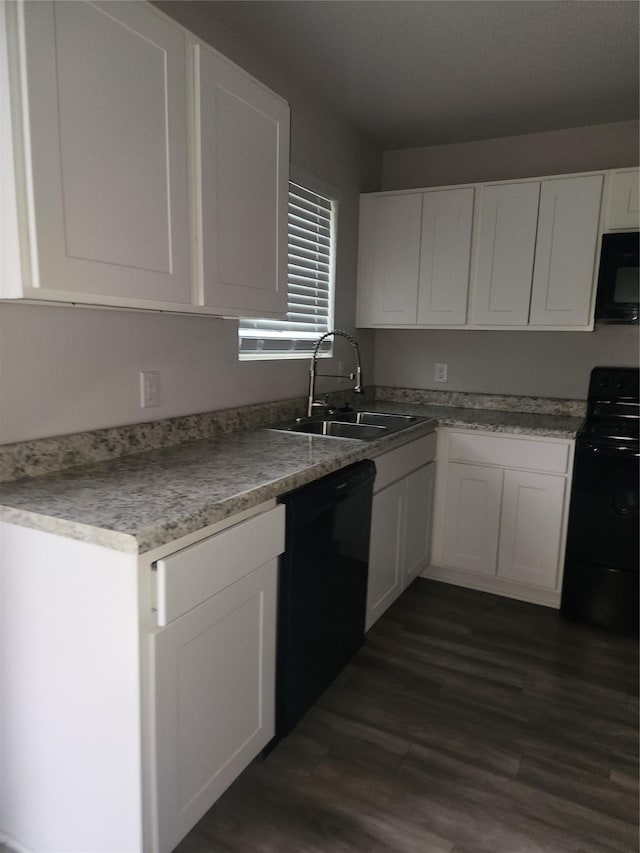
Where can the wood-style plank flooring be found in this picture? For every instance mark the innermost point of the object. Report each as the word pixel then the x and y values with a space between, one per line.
pixel 468 723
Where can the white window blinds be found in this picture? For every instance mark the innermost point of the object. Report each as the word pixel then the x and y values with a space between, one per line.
pixel 311 229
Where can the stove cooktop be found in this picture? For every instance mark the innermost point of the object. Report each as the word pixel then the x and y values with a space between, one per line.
pixel 613 409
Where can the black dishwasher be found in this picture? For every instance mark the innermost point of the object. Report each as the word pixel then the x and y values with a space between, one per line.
pixel 322 591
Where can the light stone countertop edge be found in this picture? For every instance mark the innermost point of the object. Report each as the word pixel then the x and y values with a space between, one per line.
pixel 50 512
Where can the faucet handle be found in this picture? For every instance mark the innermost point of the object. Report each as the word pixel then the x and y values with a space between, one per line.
pixel 318 406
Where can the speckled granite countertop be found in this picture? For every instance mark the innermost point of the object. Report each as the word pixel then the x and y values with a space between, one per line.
pixel 489 420
pixel 141 501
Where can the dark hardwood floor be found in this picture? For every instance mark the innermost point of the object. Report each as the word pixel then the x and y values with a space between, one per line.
pixel 468 723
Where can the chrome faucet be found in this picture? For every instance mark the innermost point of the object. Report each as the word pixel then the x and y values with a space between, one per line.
pixel 314 404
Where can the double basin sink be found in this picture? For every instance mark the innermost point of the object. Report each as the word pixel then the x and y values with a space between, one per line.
pixel 365 426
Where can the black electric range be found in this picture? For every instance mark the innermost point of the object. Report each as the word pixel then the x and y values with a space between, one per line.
pixel 601 566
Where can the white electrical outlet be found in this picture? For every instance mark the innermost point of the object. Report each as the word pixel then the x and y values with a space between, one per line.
pixel 440 372
pixel 149 388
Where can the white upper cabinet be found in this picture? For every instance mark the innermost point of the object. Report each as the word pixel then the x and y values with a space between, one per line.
pixel 536 249
pixel 507 255
pixel 414 258
pixel 105 131
pixel 389 259
pixel 444 260
pixel 242 164
pixel 623 205
pixel 506 241
pixel 136 174
pixel 565 251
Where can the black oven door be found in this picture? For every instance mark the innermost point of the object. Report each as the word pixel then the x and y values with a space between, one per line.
pixel 601 566
pixel 603 520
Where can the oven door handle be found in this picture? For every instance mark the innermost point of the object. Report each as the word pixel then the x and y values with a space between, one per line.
pixel 593 448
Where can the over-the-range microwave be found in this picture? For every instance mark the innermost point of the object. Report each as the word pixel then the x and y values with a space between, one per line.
pixel 618 294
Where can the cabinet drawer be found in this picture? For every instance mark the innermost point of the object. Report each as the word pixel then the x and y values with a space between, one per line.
pixel 509 452
pixel 401 461
pixel 189 577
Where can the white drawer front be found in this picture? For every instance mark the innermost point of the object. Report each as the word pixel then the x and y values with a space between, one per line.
pixel 509 452
pixel 398 463
pixel 191 576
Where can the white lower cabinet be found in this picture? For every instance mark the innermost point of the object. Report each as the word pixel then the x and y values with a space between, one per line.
pixel 418 512
pixel 385 569
pixel 400 522
pixel 213 669
pixel 130 705
pixel 501 511
pixel 531 527
pixel 472 517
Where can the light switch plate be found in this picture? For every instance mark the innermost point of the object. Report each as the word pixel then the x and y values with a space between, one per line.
pixel 440 372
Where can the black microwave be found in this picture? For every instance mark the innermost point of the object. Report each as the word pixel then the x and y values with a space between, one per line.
pixel 618 294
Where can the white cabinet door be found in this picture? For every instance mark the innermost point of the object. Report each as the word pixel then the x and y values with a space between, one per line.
pixel 242 175
pixel 418 521
pixel 214 677
pixel 565 251
pixel 385 550
pixel 508 217
pixel 393 245
pixel 472 517
pixel 444 257
pixel 531 527
pixel 106 128
pixel 624 200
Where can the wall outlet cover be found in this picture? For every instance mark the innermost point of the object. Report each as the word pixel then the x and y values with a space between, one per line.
pixel 149 388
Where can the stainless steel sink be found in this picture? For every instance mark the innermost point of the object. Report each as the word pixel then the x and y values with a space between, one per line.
pixel 335 429
pixel 383 419
pixel 365 426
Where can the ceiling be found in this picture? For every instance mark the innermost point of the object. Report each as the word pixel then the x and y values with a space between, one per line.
pixel 409 73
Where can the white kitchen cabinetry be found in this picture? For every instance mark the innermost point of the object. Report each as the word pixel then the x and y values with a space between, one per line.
pixel 389 259
pixel 242 165
pixel 535 254
pixel 104 180
pixel 213 667
pixel 134 702
pixel 566 248
pixel 501 510
pixel 522 254
pixel 472 517
pixel 400 522
pixel 506 241
pixel 127 183
pixel 444 261
pixel 623 200
pixel 414 258
pixel 531 527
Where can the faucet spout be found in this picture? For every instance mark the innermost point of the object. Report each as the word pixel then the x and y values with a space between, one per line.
pixel 313 372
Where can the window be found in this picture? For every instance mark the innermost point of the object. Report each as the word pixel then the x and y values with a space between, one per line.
pixel 310 282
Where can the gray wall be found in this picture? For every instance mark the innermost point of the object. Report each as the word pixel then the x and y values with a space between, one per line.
pixel 554 364
pixel 578 149
pixel 65 369
pixel 547 364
